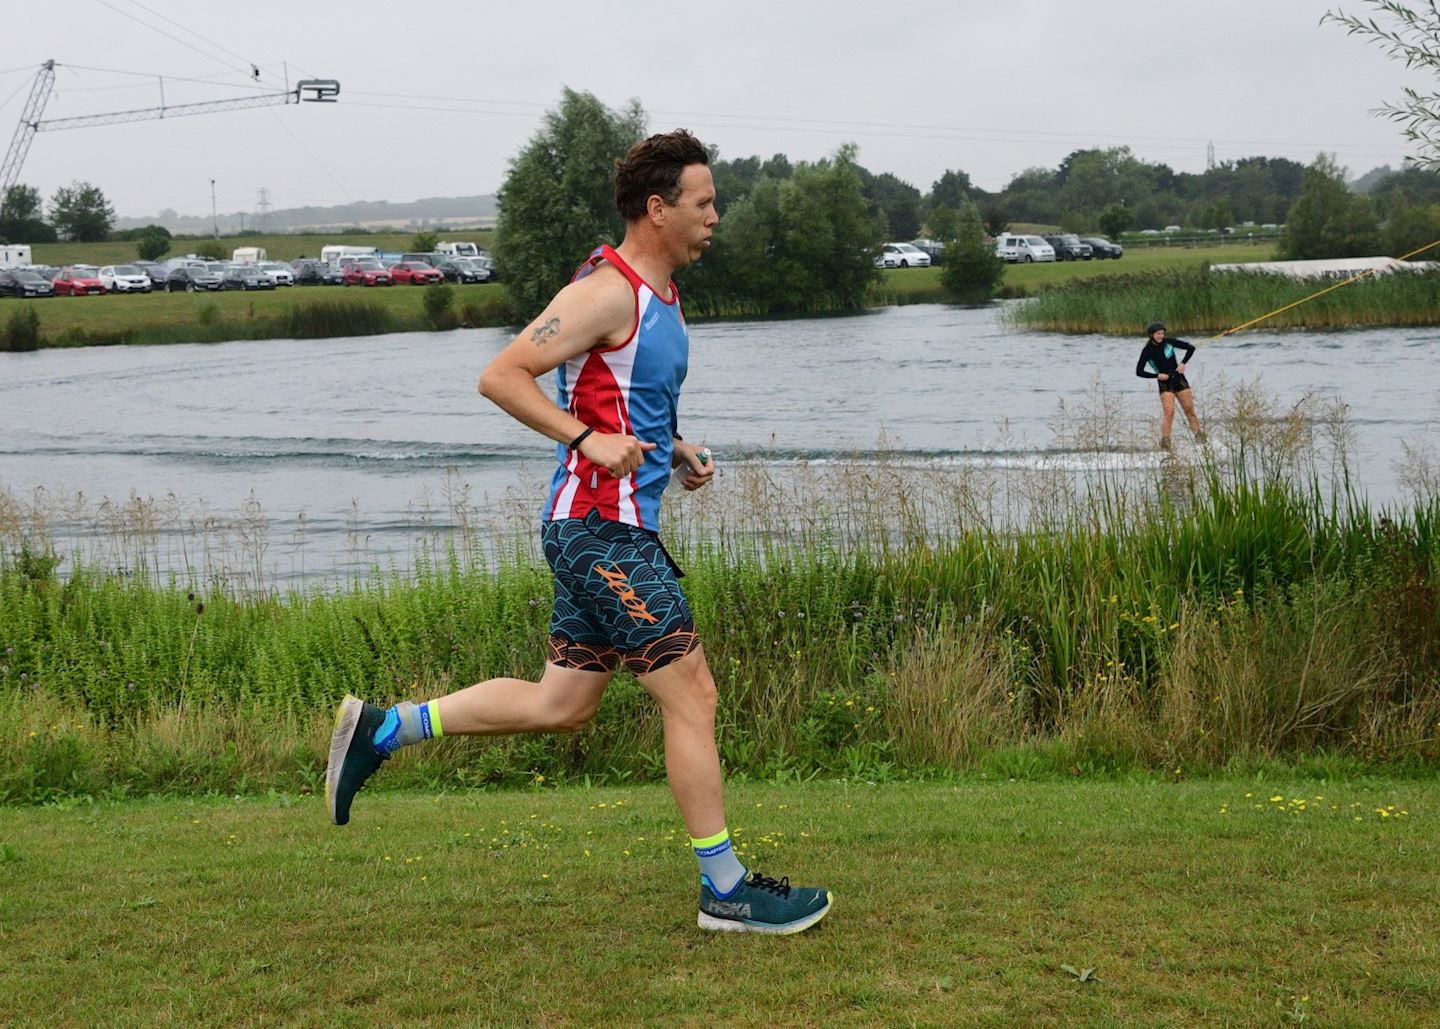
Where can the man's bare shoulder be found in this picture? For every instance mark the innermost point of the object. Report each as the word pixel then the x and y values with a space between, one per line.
pixel 603 302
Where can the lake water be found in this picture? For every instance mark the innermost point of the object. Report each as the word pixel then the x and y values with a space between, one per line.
pixel 356 447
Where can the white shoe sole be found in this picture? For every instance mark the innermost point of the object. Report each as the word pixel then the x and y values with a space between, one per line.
pixel 735 925
pixel 346 719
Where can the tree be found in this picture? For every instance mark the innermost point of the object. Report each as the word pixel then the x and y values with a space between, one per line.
pixel 972 272
pixel 1410 35
pixel 424 242
pixel 81 213
pixel 20 220
pixel 897 201
pixel 557 202
pixel 1115 219
pixel 995 220
pixel 804 243
pixel 152 245
pixel 952 190
pixel 1411 228
pixel 1328 220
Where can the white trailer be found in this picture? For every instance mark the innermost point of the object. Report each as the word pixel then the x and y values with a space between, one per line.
pixel 249 255
pixel 15 256
pixel 331 254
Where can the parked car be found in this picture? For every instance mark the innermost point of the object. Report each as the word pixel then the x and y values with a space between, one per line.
pixel 313 272
pixel 1017 249
pixel 125 278
pixel 464 270
pixel 22 282
pixel 281 274
pixel 364 271
pixel 78 280
pixel 247 277
pixel 1103 248
pixel 934 247
pixel 902 255
pixel 45 271
pixel 191 278
pixel 415 273
pixel 432 259
pixel 488 263
pixel 156 271
pixel 1070 247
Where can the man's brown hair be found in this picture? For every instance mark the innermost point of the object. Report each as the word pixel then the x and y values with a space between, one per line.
pixel 652 167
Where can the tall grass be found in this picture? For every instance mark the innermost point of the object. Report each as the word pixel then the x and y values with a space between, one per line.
pixel 878 618
pixel 1207 301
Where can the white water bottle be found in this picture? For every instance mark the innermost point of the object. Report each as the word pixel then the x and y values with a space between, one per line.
pixel 682 470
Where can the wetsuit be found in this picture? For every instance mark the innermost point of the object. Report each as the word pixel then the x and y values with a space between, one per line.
pixel 617 590
pixel 1160 357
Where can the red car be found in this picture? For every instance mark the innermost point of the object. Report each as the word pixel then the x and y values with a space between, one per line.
pixel 416 273
pixel 77 280
pixel 364 272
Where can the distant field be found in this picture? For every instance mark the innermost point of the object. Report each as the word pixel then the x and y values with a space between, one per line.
pixel 284 247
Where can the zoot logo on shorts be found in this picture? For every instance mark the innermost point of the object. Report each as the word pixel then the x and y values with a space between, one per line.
pixel 620 586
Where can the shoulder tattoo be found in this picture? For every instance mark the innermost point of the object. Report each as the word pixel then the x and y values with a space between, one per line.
pixel 548 331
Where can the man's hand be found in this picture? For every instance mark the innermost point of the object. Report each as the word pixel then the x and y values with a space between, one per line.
pixel 617 453
pixel 698 472
pixel 1180 368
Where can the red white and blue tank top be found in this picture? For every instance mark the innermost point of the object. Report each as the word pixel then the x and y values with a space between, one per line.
pixel 632 388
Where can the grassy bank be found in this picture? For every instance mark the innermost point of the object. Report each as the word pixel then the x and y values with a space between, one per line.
pixel 922 285
pixel 1270 902
pixel 279 314
pixel 1214 617
pixel 1200 301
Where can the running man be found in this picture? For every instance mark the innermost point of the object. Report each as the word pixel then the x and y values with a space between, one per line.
pixel 617 339
pixel 1157 361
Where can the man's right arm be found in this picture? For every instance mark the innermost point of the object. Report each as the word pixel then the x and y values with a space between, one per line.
pixel 599 310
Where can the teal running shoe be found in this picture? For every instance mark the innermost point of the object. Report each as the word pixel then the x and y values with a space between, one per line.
pixel 353 757
pixel 762 905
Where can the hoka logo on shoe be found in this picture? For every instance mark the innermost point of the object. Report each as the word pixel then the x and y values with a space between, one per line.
pixel 728 909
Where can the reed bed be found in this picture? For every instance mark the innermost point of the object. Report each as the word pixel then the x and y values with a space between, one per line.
pixel 1202 300
pixel 880 618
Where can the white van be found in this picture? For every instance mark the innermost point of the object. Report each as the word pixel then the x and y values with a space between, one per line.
pixel 249 255
pixel 331 254
pixel 14 256
pixel 1023 249
pixel 459 249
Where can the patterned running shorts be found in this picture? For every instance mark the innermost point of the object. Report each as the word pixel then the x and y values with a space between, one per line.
pixel 617 597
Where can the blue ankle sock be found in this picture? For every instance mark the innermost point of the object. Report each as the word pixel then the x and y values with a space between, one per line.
pixel 718 863
pixel 407 723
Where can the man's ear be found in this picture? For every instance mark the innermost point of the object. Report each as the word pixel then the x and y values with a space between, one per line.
pixel 655 207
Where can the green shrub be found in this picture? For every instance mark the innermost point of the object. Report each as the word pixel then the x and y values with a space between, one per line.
pixel 438 299
pixel 492 311
pixel 209 314
pixel 327 318
pixel 22 332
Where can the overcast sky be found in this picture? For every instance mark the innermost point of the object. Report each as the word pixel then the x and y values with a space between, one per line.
pixel 437 98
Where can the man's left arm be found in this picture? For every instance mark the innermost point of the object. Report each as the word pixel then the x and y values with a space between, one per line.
pixel 697 459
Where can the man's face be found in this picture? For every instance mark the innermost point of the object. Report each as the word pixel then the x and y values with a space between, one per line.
pixel 691 222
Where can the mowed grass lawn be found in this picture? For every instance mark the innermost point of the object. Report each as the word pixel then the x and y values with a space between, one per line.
pixel 1179 903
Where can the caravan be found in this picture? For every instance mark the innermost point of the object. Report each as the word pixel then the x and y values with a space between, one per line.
pixel 16 256
pixel 331 254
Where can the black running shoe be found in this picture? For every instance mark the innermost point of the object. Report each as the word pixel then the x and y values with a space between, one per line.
pixel 353 757
pixel 761 905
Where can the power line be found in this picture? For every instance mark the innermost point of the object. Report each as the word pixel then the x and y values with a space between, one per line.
pixel 182 28
pixel 957 136
pixel 167 35
pixel 321 164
